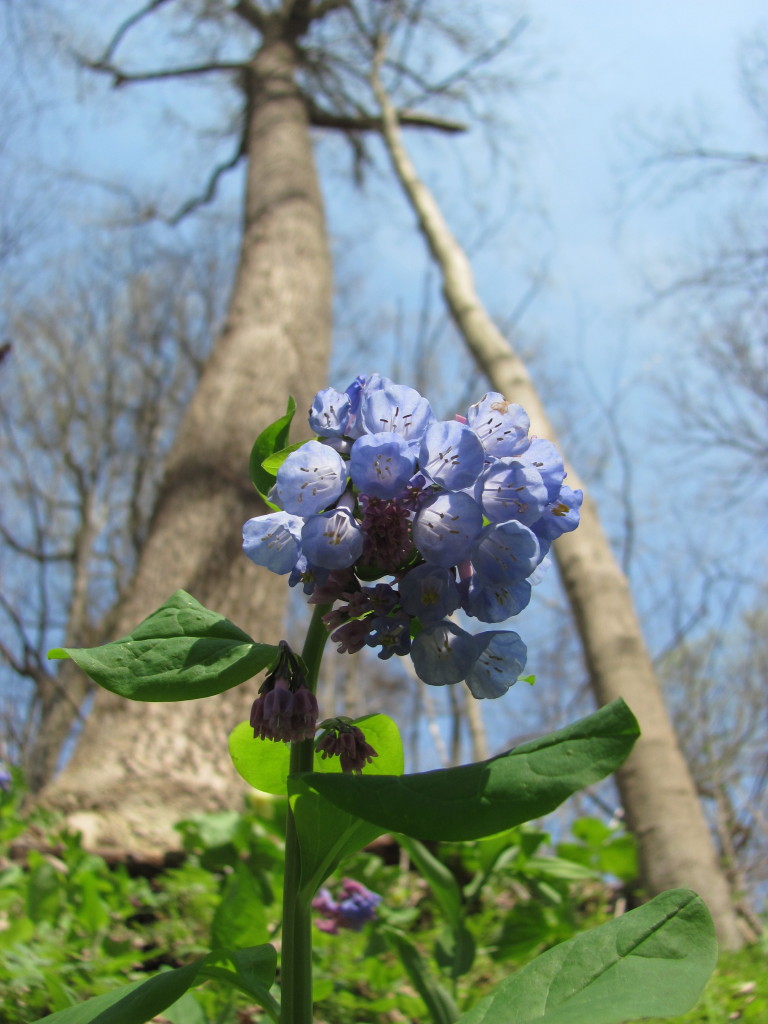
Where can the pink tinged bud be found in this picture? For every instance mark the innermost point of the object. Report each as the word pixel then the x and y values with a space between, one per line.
pixel 348 743
pixel 305 713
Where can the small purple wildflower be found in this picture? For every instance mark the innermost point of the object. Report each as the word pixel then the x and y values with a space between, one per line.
pixel 355 906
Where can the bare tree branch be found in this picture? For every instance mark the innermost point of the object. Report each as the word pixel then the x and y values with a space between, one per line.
pixel 321 118
pixel 209 194
pixel 127 25
pixel 120 78
pixel 251 13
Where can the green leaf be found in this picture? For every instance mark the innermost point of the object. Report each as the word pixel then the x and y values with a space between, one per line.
pixel 441 880
pixel 182 651
pixel 240 919
pixel 272 439
pixel 264 764
pixel 455 950
pixel 327 836
pixel 652 962
pixel 186 1010
pixel 252 970
pixel 440 1005
pixel 478 800
pixel 275 461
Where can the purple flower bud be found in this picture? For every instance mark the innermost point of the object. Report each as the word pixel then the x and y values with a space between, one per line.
pixel 386 528
pixel 311 479
pixel 346 741
pixel 285 708
pixel 352 636
pixel 284 714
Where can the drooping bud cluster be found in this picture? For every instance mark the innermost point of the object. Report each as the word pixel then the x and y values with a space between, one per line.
pixel 355 906
pixel 346 741
pixel 454 514
pixel 286 709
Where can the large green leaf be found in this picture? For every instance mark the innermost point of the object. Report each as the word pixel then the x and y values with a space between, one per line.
pixel 652 962
pixel 481 799
pixel 272 439
pixel 250 970
pixel 182 651
pixel 264 764
pixel 327 836
pixel 439 1003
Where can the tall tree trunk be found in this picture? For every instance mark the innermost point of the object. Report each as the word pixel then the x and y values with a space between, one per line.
pixel 659 797
pixel 138 768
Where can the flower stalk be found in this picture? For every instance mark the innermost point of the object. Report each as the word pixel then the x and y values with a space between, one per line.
pixel 296 957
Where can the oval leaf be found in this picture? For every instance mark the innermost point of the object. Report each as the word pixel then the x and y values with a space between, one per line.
pixel 183 651
pixel 478 800
pixel 651 962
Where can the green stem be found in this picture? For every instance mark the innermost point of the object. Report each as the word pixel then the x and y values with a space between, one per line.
pixel 296 956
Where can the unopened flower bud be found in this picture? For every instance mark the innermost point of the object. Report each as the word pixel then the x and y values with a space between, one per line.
pixel 286 709
pixel 346 741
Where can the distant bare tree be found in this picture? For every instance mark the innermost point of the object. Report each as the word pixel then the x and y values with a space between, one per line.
pixel 100 368
pixel 655 784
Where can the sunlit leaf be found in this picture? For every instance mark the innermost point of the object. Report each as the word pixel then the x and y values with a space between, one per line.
pixel 651 962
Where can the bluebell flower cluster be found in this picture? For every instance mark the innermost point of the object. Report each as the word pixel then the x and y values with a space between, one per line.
pixel 399 519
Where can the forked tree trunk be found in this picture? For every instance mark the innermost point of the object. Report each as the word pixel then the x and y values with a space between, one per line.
pixel 138 768
pixel 657 791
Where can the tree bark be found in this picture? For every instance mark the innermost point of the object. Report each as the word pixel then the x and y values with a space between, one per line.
pixel 139 768
pixel 658 794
